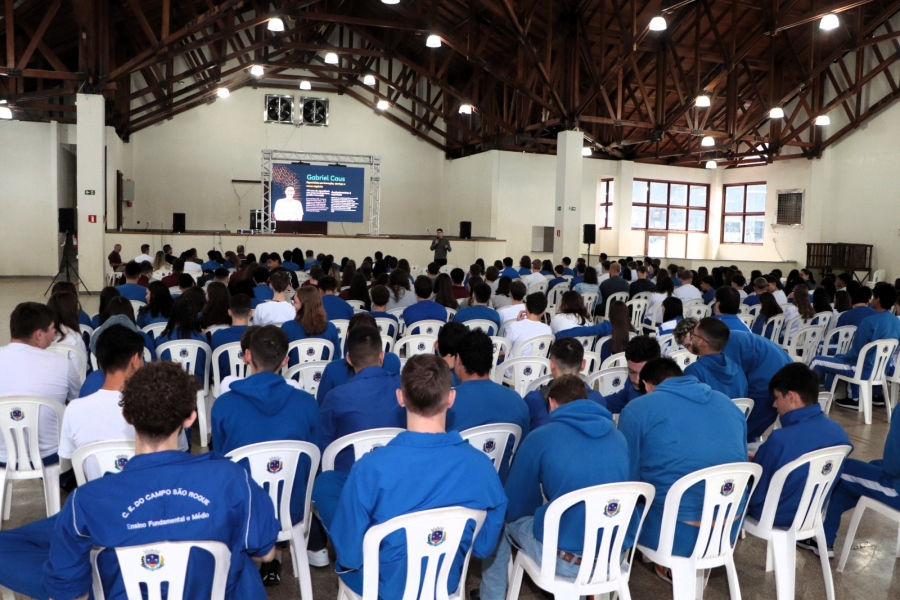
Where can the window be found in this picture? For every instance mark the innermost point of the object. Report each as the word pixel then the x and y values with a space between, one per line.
pixel 744 217
pixel 669 206
pixel 604 204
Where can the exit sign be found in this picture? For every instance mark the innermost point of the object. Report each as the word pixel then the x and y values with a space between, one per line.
pixel 90 192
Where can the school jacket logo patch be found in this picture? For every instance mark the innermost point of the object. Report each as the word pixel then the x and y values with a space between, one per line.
pixel 612 508
pixel 153 560
pixel 275 465
pixel 17 414
pixel 437 537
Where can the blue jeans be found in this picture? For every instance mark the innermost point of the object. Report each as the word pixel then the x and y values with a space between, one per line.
pixel 858 479
pixel 494 567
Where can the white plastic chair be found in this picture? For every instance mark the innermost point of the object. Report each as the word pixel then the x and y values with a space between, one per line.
pixel 492 440
pixel 538 287
pixel 524 369
pixel 538 383
pixel 362 442
pixel 489 327
pixel 637 307
pixel 823 319
pixel 838 341
pixel 642 296
pixel 745 404
pixel 274 466
pixel 311 350
pixel 432 536
pixel 803 342
pixel 590 300
pixel 823 467
pixel 154 329
pixel 387 342
pixel 387 326
pixel 214 328
pixel 666 344
pixel 430 327
pixel 724 490
pixel 614 360
pixel 236 365
pixel 135 576
pixel 137 305
pixel 609 381
pixel 19 413
pixel 554 296
pixel 356 304
pixel 539 345
pixel 309 375
pixel 413 345
pixel 451 312
pixel 186 353
pixel 884 350
pixel 342 325
pixel 878 276
pixel 861 506
pixel 698 311
pixel 68 350
pixel 504 325
pixel 773 326
pixel 111 457
pixel 587 341
pixel 747 319
pixel 825 399
pixel 501 345
pixel 608 511
pixel 592 362
pixel 683 358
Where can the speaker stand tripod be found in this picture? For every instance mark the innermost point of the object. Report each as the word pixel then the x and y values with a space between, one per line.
pixel 66 265
pixel 589 254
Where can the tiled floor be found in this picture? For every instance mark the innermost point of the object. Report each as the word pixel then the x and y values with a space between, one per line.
pixel 871 573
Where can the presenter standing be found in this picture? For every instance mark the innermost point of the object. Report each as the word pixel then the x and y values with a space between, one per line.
pixel 441 247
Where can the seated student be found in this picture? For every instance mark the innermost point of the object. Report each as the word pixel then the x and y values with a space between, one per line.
pixel 458 277
pixel 212 264
pixel 580 269
pixel 146 273
pixel 544 470
pixel 738 282
pixel 275 266
pixel 727 307
pixel 558 279
pixel 288 263
pixel 183 325
pixel 311 322
pixel 687 290
pixel 533 276
pixel 159 305
pixel 277 310
pixel 171 280
pixel 263 408
pixel 776 289
pixel 672 313
pixel 512 311
pixel 365 401
pixel 479 308
pixel 804 428
pixel 883 325
pixel 760 287
pixel 158 401
pixel 339 372
pixel 566 358
pixel 713 367
pixel 508 270
pixel 131 289
pixel 567 266
pixel 261 289
pixel 311 261
pixel 678 427
pixel 860 310
pixel 642 283
pixel 638 352
pixel 449 339
pixel 425 307
pixel 529 325
pixel 420 469
pixel 68 286
pixel 335 308
pixel 240 312
pixel 381 295
pixel 708 288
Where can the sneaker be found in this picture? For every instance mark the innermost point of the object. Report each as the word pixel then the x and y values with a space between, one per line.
pixel 878 401
pixel 848 403
pixel 271 572
pixel 664 573
pixel 812 545
pixel 318 558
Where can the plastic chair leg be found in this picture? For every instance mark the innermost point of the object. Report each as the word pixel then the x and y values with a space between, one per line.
pixel 7 497
pixel 897 553
pixel 865 401
pixel 770 557
pixel 785 552
pixel 734 586
pixel 826 566
pixel 4 500
pixel 515 582
pixel 51 489
pixel 301 564
pixel 202 420
pixel 887 399
pixel 685 580
pixel 6 594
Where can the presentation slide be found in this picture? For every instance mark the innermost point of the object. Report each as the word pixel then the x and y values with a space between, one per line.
pixel 303 192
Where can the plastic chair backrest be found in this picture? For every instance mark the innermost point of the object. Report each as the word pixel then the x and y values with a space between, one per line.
pixel 838 340
pixel 754 310
pixel 601 343
pixel 609 381
pixel 139 566
pixel 397 312
pixel 744 309
pixel 772 328
pixel 236 366
pixel 387 326
pixel 214 328
pixel 504 325
pixel 614 360
pixel 492 440
pixel 823 319
pixel 637 307
pixel 413 345
pixel 824 466
pixel 745 404
pixel 309 375
pixel 19 413
pixel 433 537
pixel 884 350
pixel 725 487
pixel 387 342
pixel 273 465
pixel 538 287
pixel 747 319
pixel 642 296
pixel 362 442
pixel 500 344
pixel 356 304
pixel 538 384
pixel 806 341
pixel 137 305
pixel 698 311
pixel 311 350
pixel 666 344
pixel 586 341
pixel 878 276
pixel 825 399
pixel 608 511
pixel 539 346
pixel 525 370
pixel 430 327
pixel 68 350
pixel 590 300
pixel 592 362
pixel 341 325
pixel 554 296
pixel 451 312
pixel 111 457
pixel 154 329
pixel 186 353
pixel 489 327
pixel 683 358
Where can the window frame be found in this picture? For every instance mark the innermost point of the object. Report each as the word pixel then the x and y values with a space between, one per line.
pixel 606 202
pixel 669 206
pixel 743 214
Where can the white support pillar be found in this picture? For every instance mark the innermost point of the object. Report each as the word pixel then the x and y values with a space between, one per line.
pixel 91 189
pixel 569 167
pixel 623 193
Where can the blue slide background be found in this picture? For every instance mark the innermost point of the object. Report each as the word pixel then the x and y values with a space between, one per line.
pixel 320 207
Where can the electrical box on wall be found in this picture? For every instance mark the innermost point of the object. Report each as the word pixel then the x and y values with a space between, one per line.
pixel 128 192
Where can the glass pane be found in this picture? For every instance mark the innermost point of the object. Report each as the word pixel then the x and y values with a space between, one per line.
pixel 639 217
pixel 639 192
pixel 697 220
pixel 734 199
pixel 756 227
pixel 733 230
pixel 601 217
pixel 659 193
pixel 698 195
pixel 657 218
pixel 756 198
pixel 678 195
pixel 677 219
pixel 656 245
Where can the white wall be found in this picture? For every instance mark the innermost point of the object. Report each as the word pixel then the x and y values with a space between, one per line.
pixel 470 191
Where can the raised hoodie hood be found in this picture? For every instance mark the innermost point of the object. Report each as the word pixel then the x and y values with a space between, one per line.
pixel 586 416
pixel 113 320
pixel 686 387
pixel 268 392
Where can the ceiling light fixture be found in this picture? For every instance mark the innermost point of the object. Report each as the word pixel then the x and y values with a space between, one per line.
pixel 382 105
pixel 331 58
pixel 586 151
pixel 465 109
pixel 369 80
pixel 433 41
pixel 776 113
pixel 823 120
pixel 223 92
pixel 5 112
pixel 257 70
pixel 829 22
pixel 305 85
pixel 703 101
pixel 390 1
pixel 711 164
pixel 658 23
pixel 275 24
pixel 708 141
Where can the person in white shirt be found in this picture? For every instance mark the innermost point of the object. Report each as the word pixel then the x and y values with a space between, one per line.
pixel 277 310
pixel 529 325
pixel 604 271
pixel 144 255
pixel 571 313
pixel 190 266
pixel 687 291
pixel 98 417
pixel 535 276
pixel 776 290
pixel 738 282
pixel 68 331
pixel 517 291
pixel 27 367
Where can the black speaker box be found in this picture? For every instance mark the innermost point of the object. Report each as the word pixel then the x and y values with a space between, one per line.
pixel 465 230
pixel 178 222
pixel 67 222
pixel 590 234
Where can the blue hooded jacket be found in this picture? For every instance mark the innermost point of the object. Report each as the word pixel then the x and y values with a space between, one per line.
pixel 891 461
pixel 720 373
pixel 537 404
pixel 545 465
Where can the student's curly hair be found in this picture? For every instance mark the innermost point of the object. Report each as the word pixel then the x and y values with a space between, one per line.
pixel 158 398
pixel 684 327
